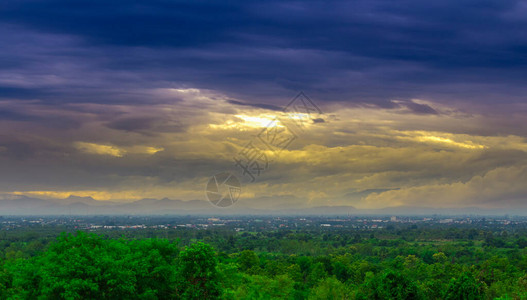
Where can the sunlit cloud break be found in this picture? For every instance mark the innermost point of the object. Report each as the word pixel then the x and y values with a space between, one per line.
pixel 410 116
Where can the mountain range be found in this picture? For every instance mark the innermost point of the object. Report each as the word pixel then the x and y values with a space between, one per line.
pixel 73 205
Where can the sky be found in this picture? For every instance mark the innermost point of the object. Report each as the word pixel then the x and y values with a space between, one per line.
pixel 422 103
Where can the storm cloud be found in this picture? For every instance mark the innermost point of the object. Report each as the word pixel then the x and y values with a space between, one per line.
pixel 131 99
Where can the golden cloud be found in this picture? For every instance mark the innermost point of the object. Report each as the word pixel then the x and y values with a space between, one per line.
pixel 402 157
pixel 99 149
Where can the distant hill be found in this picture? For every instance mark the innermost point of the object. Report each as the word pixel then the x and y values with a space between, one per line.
pixel 23 205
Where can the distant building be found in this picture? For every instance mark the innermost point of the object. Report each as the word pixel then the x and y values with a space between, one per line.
pixel 446 221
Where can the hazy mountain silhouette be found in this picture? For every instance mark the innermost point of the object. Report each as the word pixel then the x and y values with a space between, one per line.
pixel 23 205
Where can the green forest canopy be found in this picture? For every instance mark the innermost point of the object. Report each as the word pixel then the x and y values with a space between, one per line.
pixel 91 266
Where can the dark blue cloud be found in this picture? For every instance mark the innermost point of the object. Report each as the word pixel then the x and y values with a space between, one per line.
pixel 359 51
pixel 8 92
pixel 418 108
pixel 13 116
pixel 131 23
pixel 257 105
pixel 62 122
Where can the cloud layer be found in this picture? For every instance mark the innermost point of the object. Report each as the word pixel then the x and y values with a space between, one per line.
pixel 424 103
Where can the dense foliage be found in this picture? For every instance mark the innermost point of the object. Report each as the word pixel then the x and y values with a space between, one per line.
pixel 283 264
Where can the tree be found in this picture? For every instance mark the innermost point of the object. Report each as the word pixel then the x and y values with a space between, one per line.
pixel 262 287
pixel 249 261
pixel 440 257
pixel 317 274
pixel 153 262
pixel 197 275
pixel 465 287
pixel 82 266
pixel 330 289
pixel 390 285
pixel 87 266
